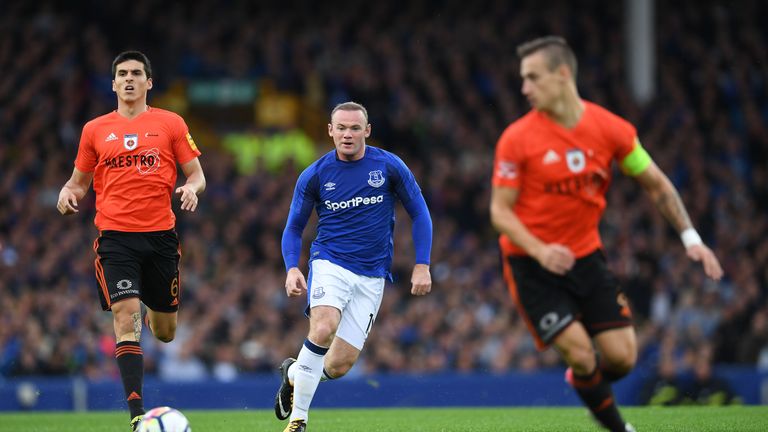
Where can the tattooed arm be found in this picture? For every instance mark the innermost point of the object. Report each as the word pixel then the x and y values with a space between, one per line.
pixel 667 200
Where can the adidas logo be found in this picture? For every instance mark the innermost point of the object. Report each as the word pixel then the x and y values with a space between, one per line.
pixel 133 396
pixel 550 158
pixel 175 301
pixel 111 137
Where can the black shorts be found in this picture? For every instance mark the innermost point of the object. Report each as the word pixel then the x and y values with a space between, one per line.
pixel 548 302
pixel 139 264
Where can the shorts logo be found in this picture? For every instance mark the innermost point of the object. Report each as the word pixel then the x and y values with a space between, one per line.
pixel 130 141
pixel 124 284
pixel 576 160
pixel 548 320
pixel 376 178
pixel 318 293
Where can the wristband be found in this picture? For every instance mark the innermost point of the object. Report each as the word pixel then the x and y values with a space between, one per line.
pixel 690 237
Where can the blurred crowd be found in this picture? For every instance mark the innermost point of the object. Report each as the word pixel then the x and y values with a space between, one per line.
pixel 441 81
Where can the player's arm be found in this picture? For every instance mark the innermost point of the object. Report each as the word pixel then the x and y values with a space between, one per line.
pixel 554 257
pixel 667 200
pixel 298 216
pixel 421 231
pixel 194 186
pixel 73 191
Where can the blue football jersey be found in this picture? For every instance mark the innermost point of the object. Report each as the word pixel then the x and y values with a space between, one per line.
pixel 355 206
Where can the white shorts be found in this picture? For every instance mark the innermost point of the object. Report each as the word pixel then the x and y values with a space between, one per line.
pixel 357 297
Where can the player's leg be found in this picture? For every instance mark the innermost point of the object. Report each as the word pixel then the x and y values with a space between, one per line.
pixel 575 346
pixel 161 283
pixel 618 352
pixel 356 323
pixel 606 318
pixel 118 270
pixel 308 367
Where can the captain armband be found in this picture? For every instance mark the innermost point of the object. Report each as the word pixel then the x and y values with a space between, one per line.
pixel 636 161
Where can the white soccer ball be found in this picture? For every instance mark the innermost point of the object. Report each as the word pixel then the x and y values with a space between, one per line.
pixel 164 419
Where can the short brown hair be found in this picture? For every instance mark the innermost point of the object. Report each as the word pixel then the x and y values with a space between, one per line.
pixel 555 48
pixel 350 106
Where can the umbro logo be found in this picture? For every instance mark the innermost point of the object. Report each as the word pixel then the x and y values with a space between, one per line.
pixel 330 186
pixel 550 157
pixel 111 137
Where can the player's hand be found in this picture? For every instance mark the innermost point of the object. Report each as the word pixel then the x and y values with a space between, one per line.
pixel 556 258
pixel 188 197
pixel 295 284
pixel 421 280
pixel 67 203
pixel 701 253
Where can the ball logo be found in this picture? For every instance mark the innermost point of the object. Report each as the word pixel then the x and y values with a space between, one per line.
pixel 130 141
pixel 151 158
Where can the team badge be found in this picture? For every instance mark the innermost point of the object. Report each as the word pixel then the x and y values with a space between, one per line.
pixel 376 178
pixel 318 292
pixel 130 141
pixel 576 160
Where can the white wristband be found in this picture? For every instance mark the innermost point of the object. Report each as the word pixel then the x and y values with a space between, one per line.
pixel 690 238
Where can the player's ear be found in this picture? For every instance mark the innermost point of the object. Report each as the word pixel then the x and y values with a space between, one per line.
pixel 149 84
pixel 368 130
pixel 330 130
pixel 114 86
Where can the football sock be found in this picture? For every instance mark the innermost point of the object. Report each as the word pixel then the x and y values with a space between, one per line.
pixel 292 374
pixel 130 361
pixel 596 394
pixel 309 368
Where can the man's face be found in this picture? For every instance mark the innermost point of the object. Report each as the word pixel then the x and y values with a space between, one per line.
pixel 349 131
pixel 130 81
pixel 541 86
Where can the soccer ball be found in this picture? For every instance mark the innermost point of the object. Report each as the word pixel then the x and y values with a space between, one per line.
pixel 164 419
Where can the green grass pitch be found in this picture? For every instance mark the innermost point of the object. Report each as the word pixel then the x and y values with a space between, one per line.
pixel 746 418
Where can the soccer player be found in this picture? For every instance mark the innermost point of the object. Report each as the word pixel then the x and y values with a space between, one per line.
pixel 130 155
pixel 552 169
pixel 353 190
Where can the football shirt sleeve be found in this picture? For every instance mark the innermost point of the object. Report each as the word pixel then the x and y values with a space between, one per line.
pixel 87 159
pixel 508 162
pixel 301 208
pixel 184 147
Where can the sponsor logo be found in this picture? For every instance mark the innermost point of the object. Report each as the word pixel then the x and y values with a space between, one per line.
pixel 376 178
pixel 550 157
pixel 590 183
pixel 506 170
pixel 130 141
pixel 153 161
pixel 318 292
pixel 150 134
pixel 330 186
pixel 354 202
pixel 124 284
pixel 111 137
pixel 146 161
pixel 548 320
pixel 576 160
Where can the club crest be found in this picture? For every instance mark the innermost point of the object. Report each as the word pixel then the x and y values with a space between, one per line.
pixel 130 141
pixel 376 178
pixel 576 160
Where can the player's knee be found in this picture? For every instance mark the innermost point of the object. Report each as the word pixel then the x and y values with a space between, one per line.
pixel 621 363
pixel 580 358
pixel 166 333
pixel 322 333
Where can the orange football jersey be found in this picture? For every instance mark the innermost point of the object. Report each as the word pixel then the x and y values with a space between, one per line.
pixel 134 166
pixel 561 174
